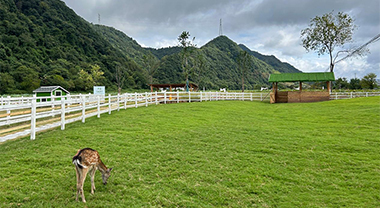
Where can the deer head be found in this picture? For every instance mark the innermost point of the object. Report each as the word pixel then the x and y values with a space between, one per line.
pixel 105 175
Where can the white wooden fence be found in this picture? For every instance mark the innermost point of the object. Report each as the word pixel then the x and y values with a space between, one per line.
pixel 349 95
pixel 22 116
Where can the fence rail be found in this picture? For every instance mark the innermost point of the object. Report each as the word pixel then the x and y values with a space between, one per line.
pixel 22 116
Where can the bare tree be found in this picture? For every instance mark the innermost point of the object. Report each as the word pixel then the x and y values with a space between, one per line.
pixel 120 77
pixel 151 64
pixel 243 63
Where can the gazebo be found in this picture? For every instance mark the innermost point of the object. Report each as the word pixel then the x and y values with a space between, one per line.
pixel 300 96
pixel 192 86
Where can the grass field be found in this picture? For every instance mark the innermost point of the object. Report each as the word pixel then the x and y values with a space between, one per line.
pixel 209 154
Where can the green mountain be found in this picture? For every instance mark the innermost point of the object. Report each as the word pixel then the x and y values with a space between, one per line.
pixel 272 60
pixel 161 52
pixel 221 69
pixel 46 43
pixel 43 42
pixel 126 45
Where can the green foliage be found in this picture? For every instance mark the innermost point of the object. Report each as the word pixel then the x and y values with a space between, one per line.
pixel 229 154
pixel 327 32
pixel 369 81
pixel 355 84
pixel 244 61
pixel 162 52
pixel 279 66
pixel 50 44
pixel 151 64
pixel 341 83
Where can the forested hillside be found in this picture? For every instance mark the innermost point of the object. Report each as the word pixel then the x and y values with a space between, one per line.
pixel 43 42
pixel 46 43
pixel 272 60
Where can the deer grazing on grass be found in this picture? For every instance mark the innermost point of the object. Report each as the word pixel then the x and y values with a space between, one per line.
pixel 87 160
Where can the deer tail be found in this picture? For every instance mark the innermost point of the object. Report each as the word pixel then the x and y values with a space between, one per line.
pixel 76 162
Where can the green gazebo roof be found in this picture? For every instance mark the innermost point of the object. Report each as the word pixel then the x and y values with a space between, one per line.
pixel 302 77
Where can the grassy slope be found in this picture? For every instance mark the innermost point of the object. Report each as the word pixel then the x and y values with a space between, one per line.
pixel 234 154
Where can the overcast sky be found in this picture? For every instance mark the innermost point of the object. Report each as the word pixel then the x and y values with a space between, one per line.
pixel 271 27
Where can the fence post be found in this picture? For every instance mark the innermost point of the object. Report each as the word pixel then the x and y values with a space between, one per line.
pixel 165 97
pixel 33 118
pixel 83 108
pixel 146 99
pixel 98 106
pixel 109 103
pixel 63 113
pixel 366 94
pixel 125 101
pixel 351 95
pixel 189 97
pixel 9 111
pixel 156 99
pixel 52 99
pixel 135 99
pixel 200 98
pixel 118 102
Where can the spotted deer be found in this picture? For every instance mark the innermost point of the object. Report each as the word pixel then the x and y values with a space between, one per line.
pixel 87 160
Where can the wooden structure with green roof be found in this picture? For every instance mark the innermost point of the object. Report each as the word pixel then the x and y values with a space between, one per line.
pixel 300 96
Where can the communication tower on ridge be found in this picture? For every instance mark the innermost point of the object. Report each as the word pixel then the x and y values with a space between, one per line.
pixel 98 18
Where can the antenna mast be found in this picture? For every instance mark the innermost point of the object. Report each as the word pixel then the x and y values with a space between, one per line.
pixel 98 18
pixel 220 28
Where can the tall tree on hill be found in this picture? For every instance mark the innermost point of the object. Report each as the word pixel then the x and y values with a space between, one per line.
pixel 151 64
pixel 120 75
pixel 243 62
pixel 327 32
pixel 200 68
pixel 187 50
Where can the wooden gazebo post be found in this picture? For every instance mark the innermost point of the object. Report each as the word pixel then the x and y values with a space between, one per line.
pixel 328 86
pixel 274 88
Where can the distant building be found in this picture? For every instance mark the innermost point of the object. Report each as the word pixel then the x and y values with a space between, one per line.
pixel 46 92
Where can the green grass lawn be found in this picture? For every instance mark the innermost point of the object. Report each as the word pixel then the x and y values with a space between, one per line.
pixel 209 154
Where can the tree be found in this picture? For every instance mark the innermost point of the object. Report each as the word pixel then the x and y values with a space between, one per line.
pixel 200 67
pixel 326 33
pixel 341 83
pixel 86 81
pixel 187 50
pixel 355 84
pixel 369 81
pixel 243 63
pixel 151 64
pixel 120 77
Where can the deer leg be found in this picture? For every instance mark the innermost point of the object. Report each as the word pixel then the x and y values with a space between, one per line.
pixel 92 174
pixel 84 174
pixel 78 182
